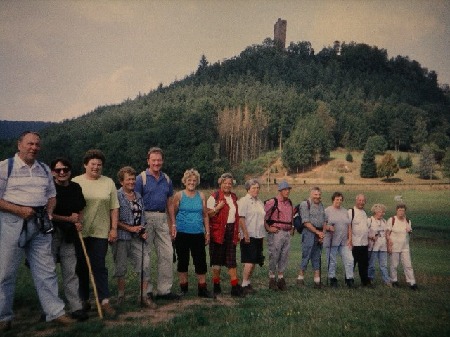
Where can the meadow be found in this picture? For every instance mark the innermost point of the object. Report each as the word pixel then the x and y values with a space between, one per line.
pixel 298 311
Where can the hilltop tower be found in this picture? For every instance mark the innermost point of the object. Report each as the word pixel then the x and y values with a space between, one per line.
pixel 279 33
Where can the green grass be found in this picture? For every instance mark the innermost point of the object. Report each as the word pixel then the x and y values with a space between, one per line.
pixel 298 312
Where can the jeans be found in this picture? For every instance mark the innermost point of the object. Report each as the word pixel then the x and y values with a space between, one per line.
pixel 42 266
pixel 96 249
pixel 278 245
pixel 347 260
pixel 381 256
pixel 68 261
pixel 159 237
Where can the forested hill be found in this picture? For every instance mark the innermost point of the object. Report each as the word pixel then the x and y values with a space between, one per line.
pixel 12 129
pixel 232 111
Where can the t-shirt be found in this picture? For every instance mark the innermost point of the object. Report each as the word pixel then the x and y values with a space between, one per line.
pixel 399 234
pixel 101 198
pixel 360 227
pixel 338 217
pixel 252 209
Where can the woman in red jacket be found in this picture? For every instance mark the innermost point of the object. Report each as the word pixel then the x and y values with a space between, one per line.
pixel 224 230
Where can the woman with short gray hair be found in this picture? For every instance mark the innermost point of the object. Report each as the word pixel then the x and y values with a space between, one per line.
pixel 251 221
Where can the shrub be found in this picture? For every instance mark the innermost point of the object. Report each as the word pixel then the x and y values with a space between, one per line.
pixel 404 162
pixel 349 157
pixel 341 180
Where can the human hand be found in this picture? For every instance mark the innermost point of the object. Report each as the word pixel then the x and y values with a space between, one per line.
pixel 74 217
pixel 26 212
pixel 112 235
pixel 78 226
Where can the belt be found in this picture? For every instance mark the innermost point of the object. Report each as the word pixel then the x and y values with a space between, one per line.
pixel 156 210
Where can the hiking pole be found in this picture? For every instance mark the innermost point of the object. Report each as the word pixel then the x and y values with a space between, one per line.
pixel 91 276
pixel 329 252
pixel 142 268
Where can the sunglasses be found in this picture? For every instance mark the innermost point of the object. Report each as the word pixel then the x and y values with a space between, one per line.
pixel 63 169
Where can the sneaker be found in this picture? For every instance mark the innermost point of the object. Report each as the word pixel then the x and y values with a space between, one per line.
pixel 169 297
pixel 396 284
pixel 64 320
pixel 273 284
pixel 237 291
pixel 281 284
pixel 108 310
pixel 300 283
pixel 5 326
pixel 217 289
pixel 204 293
pixel 248 290
pixel 147 303
pixel 333 282
pixel 79 315
pixel 413 287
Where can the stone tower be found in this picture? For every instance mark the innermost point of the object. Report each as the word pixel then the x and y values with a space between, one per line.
pixel 279 32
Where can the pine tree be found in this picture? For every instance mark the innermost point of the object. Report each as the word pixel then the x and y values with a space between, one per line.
pixel 368 165
pixel 426 162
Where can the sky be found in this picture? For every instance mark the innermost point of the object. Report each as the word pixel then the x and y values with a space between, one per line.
pixel 62 59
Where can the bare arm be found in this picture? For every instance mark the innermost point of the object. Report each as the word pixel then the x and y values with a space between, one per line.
pixel 24 212
pixel 112 236
pixel 171 214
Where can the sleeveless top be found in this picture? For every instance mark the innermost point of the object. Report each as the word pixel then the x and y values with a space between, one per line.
pixel 190 214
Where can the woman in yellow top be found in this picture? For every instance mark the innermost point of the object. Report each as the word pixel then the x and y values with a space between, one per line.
pixel 100 219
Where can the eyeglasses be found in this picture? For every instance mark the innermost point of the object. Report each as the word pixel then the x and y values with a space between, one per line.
pixel 62 169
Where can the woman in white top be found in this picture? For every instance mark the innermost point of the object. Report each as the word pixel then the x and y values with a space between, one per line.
pixel 400 229
pixel 378 243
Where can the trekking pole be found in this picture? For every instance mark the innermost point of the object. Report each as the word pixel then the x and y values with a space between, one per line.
pixel 142 273
pixel 329 252
pixel 91 276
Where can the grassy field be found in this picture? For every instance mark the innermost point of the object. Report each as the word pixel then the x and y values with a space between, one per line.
pixel 296 312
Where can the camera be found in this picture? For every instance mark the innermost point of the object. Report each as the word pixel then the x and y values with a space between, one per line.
pixel 43 223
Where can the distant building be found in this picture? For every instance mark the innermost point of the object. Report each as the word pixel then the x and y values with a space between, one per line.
pixel 279 32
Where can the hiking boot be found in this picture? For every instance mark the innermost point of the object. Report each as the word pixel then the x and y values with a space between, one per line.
pixel 273 284
pixel 300 283
pixel 217 289
pixel 79 315
pixel 204 293
pixel 236 291
pixel 64 320
pixel 147 303
pixel 396 284
pixel 150 296
pixel 5 326
pixel 413 287
pixel 86 306
pixel 108 310
pixel 183 289
pixel 281 284
pixel 248 290
pixel 350 283
pixel 120 300
pixel 318 285
pixel 333 282
pixel 169 297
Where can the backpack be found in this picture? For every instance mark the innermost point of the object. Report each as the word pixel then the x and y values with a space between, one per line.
pixel 268 217
pixel 144 177
pixel 11 164
pixel 298 223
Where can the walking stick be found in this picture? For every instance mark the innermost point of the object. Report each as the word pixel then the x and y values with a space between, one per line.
pixel 142 273
pixel 91 276
pixel 329 253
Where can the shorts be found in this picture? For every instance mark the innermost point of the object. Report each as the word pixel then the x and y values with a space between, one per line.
pixel 224 254
pixel 252 252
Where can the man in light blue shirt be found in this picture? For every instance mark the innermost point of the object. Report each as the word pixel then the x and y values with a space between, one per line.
pixel 27 200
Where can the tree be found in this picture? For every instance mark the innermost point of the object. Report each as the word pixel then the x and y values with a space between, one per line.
pixel 446 164
pixel 426 162
pixel 368 165
pixel 404 162
pixel 203 64
pixel 377 144
pixel 388 166
pixel 420 133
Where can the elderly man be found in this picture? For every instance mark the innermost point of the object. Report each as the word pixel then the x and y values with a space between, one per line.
pixel 27 200
pixel 360 237
pixel 278 224
pixel 157 192
pixel 314 219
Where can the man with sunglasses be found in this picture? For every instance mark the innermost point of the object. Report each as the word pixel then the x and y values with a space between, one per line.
pixel 66 243
pixel 27 200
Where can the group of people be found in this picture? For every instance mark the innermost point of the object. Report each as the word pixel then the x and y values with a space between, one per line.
pixel 52 218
